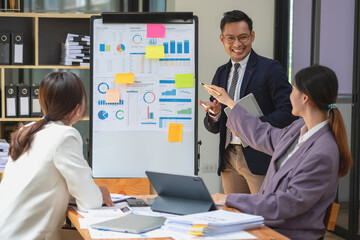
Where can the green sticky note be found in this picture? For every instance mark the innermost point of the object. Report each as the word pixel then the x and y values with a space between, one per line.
pixel 184 80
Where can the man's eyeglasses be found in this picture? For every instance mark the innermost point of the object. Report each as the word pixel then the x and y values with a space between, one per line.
pixel 243 38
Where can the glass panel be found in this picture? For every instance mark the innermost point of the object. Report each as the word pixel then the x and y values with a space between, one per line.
pixel 341 30
pixel 157 6
pixel 300 36
pixel 72 6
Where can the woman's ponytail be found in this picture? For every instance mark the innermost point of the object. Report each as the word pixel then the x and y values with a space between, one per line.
pixel 338 128
pixel 21 139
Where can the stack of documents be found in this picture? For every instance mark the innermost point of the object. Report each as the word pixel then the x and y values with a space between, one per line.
pixel 4 150
pixel 213 223
pixel 75 51
pixel 116 198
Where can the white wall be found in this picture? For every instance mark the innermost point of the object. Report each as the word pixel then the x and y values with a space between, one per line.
pixel 212 55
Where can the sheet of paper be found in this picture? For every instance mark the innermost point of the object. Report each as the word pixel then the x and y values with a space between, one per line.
pixel 216 218
pixel 86 214
pixel 184 80
pixel 155 31
pixel 235 235
pixel 175 132
pixel 112 96
pixel 124 78
pixel 155 52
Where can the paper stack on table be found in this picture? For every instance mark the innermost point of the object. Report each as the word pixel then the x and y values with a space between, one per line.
pixel 213 223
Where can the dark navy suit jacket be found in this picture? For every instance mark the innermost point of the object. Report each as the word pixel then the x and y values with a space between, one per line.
pixel 266 79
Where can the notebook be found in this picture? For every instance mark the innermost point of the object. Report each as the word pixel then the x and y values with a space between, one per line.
pixel 131 223
pixel 250 104
pixel 180 194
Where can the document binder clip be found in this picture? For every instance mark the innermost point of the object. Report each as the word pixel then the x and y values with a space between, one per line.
pixel 24 101
pixel 35 104
pixel 17 42
pixel 10 101
pixel 5 48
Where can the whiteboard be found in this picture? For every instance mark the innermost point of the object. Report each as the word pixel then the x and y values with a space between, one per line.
pixel 131 136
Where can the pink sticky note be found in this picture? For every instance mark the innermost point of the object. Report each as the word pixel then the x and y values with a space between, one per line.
pixel 155 31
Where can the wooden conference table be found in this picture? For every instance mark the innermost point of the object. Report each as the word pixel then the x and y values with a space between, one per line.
pixel 263 233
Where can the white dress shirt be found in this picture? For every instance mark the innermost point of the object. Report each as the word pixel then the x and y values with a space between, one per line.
pixel 241 70
pixel 36 188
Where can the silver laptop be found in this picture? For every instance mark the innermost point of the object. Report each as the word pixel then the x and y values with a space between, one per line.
pixel 131 224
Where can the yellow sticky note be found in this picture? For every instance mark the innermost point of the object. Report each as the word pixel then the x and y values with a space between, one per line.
pixel 124 78
pixel 184 80
pixel 155 52
pixel 112 96
pixel 175 132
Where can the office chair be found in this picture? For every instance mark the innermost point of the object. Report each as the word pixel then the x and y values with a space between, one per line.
pixel 331 216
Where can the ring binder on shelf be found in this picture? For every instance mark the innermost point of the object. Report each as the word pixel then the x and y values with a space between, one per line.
pixel 5 48
pixel 24 101
pixel 35 104
pixel 10 101
pixel 17 43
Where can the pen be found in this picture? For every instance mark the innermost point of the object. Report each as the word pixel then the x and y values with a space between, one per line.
pixel 207 108
pixel 213 90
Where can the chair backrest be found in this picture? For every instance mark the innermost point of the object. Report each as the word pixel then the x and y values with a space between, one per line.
pixel 331 216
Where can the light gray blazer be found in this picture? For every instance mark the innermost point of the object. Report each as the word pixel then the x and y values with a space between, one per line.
pixel 294 199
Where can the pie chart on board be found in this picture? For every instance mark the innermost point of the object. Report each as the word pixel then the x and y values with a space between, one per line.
pixel 120 47
pixel 103 115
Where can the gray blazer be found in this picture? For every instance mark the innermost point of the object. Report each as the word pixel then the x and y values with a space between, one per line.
pixel 294 199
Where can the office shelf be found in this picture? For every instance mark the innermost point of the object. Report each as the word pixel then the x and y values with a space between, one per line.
pixel 29 119
pixel 43 34
pixel 42 67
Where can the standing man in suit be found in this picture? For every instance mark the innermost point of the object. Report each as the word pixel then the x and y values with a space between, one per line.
pixel 243 168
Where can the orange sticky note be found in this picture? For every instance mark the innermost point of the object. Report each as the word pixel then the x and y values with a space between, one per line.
pixel 112 96
pixel 175 132
pixel 124 78
pixel 155 52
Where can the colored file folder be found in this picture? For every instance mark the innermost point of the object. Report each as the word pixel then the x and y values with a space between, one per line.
pixel 4 48
pixel 35 107
pixel 10 101
pixel 24 101
pixel 17 49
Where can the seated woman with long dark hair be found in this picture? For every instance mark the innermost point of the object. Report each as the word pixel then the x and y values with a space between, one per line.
pixel 308 157
pixel 46 165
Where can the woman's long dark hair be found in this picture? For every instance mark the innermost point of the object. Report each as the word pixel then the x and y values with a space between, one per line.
pixel 321 85
pixel 59 94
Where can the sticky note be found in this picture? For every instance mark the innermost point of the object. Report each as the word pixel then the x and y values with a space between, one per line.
pixel 155 52
pixel 124 78
pixel 175 132
pixel 155 31
pixel 112 96
pixel 184 80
